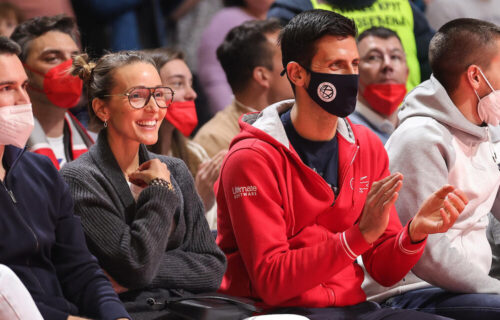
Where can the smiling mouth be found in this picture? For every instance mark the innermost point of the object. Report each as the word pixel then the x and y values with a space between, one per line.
pixel 147 124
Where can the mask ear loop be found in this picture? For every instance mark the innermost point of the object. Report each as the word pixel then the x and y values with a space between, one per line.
pixel 484 77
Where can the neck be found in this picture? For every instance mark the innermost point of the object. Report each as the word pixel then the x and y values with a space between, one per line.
pixel 255 100
pixel 126 152
pixel 2 169
pixel 312 122
pixel 50 117
pixel 165 137
pixel 393 118
pixel 466 104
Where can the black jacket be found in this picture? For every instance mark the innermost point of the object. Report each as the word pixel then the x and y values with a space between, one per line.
pixel 43 242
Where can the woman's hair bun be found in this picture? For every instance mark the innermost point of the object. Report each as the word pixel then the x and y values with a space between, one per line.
pixel 82 67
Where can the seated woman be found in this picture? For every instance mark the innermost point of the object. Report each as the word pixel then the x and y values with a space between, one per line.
pixel 142 217
pixel 179 123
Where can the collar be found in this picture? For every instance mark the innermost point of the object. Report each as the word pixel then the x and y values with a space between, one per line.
pixel 269 121
pixel 11 156
pixel 104 158
pixel 379 122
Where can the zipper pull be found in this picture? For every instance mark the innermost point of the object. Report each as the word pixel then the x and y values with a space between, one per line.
pixel 12 196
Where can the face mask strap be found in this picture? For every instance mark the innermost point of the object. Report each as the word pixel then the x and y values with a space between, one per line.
pixel 33 70
pixel 485 80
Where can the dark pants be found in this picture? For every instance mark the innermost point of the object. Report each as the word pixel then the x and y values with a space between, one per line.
pixel 459 306
pixel 363 311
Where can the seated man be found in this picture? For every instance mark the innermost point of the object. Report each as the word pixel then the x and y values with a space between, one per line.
pixel 382 78
pixel 251 59
pixel 47 45
pixel 303 192
pixel 443 137
pixel 42 241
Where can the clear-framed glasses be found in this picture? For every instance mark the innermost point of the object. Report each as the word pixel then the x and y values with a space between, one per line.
pixel 138 97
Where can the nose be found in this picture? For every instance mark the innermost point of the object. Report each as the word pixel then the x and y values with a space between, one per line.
pixel 351 69
pixel 22 96
pixel 387 63
pixel 190 94
pixel 151 106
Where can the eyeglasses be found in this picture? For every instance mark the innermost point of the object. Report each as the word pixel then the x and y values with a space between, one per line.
pixel 138 97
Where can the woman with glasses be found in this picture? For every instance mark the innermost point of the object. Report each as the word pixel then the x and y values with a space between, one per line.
pixel 141 214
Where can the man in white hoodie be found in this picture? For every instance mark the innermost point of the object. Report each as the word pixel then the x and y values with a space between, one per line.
pixel 443 138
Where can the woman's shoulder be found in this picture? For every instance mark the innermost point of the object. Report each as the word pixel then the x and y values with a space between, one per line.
pixel 79 167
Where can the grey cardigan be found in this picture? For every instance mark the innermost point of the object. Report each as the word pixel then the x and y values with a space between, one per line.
pixel 160 241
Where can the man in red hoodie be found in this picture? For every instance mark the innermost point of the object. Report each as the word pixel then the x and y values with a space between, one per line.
pixel 303 192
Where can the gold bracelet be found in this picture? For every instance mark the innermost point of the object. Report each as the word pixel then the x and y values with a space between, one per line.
pixel 162 183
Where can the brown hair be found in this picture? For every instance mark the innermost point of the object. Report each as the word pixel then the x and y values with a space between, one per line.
pixel 459 44
pixel 36 27
pixel 98 77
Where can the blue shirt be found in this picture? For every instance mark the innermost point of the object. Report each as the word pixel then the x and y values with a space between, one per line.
pixel 321 156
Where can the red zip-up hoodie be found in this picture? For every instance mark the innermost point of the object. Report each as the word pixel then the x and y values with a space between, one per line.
pixel 288 241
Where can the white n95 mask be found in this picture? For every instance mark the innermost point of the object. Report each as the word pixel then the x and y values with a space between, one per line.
pixel 488 108
pixel 16 124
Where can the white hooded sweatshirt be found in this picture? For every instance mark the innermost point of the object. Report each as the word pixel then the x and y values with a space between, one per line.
pixel 436 145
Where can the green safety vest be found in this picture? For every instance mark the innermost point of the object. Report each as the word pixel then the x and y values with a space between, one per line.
pixel 392 14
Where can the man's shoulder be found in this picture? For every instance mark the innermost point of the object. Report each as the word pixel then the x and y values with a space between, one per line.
pixel 218 125
pixel 420 130
pixel 33 162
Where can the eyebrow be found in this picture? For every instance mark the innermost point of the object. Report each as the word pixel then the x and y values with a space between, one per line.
pixel 177 76
pixel 57 51
pixel 11 82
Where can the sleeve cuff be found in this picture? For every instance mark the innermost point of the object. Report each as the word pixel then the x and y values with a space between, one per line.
pixel 405 244
pixel 353 242
pixel 112 310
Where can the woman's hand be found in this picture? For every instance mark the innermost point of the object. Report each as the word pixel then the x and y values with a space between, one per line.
pixel 148 171
pixel 207 174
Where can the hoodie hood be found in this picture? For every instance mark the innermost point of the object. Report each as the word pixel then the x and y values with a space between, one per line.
pixel 266 125
pixel 430 99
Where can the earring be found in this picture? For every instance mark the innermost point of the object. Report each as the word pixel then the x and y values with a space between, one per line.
pixel 106 123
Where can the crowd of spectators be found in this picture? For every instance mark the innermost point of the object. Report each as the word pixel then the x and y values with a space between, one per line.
pixel 322 158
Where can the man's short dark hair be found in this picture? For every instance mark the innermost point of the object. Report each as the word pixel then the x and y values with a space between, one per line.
pixel 36 27
pixel 298 38
pixel 7 46
pixel 379 32
pixel 459 44
pixel 245 48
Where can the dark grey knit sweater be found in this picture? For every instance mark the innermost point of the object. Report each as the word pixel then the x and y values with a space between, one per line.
pixel 160 241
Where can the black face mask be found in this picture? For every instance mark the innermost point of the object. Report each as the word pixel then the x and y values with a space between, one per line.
pixel 335 93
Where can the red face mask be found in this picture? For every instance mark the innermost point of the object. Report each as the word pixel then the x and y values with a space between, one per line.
pixel 183 116
pixel 61 88
pixel 385 98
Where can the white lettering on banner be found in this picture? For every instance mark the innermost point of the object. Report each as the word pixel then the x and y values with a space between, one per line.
pixel 245 191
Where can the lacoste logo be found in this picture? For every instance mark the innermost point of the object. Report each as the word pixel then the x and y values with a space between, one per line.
pixel 327 91
pixel 246 191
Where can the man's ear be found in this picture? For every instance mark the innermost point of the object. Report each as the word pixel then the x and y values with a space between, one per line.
pixel 262 76
pixel 296 73
pixel 474 77
pixel 100 109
